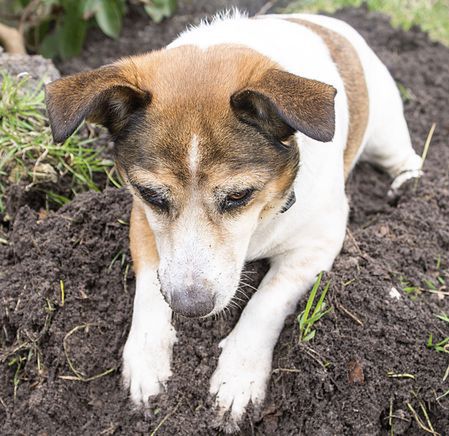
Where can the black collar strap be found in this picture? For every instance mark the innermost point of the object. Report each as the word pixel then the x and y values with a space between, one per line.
pixel 291 200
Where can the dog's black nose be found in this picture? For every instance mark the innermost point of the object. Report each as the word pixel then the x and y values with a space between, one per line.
pixel 192 302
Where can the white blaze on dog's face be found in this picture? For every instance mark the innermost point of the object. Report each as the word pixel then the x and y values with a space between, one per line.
pixel 204 138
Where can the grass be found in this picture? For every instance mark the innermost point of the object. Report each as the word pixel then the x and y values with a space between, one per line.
pixel 78 374
pixel 430 15
pixel 26 351
pixel 436 285
pixel 28 154
pixel 422 417
pixel 441 346
pixel 308 318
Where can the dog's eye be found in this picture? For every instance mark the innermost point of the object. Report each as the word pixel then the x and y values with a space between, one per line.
pixel 236 199
pixel 153 197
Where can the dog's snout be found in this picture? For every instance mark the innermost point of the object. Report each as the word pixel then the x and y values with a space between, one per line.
pixel 192 302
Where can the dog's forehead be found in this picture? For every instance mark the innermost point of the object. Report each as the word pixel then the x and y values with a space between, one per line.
pixel 189 75
pixel 189 130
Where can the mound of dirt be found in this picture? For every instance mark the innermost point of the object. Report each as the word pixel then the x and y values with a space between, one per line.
pixel 67 290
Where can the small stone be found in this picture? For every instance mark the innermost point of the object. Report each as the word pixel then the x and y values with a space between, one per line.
pixel 394 293
pixel 355 372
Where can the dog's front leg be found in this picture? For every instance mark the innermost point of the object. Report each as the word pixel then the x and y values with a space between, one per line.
pixel 148 350
pixel 244 367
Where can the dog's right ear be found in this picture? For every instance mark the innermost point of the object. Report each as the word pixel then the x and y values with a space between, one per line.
pixel 103 96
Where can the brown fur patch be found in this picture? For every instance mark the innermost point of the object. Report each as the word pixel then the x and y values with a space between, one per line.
pixel 350 68
pixel 104 96
pixel 142 243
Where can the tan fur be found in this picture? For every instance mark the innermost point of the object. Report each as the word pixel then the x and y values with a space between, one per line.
pixel 142 243
pixel 350 68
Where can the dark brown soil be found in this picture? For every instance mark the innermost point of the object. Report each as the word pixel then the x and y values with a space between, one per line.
pixel 368 334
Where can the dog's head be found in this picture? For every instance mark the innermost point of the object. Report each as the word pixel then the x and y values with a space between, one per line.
pixel 205 140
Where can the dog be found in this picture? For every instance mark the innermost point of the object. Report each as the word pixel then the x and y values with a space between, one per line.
pixel 236 141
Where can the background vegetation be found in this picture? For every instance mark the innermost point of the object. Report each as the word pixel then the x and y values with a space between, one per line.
pixel 431 15
pixel 58 27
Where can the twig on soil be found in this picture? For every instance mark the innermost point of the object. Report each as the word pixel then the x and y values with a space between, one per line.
pixel 312 353
pixel 354 242
pixel 110 430
pixel 391 374
pixel 442 396
pixel 166 417
pixel 446 374
pixel 125 278
pixel 78 374
pixel 276 370
pixel 343 309
pixel 390 417
pixel 425 150
pixel 429 429
pixel 61 285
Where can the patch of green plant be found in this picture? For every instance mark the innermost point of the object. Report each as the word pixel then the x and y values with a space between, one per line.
pixel 430 15
pixel 406 93
pixel 435 285
pixel 159 9
pixel 18 363
pixel 443 345
pixel 58 27
pixel 311 315
pixel 409 288
pixel 28 154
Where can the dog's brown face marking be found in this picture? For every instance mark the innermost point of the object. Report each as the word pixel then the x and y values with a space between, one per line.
pixel 205 138
pixel 350 68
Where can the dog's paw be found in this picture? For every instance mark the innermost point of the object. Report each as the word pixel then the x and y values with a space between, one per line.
pixel 403 182
pixel 146 364
pixel 240 379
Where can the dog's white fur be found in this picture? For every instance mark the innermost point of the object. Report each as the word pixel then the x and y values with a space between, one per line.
pixel 299 243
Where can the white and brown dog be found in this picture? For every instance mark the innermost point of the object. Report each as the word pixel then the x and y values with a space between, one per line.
pixel 217 135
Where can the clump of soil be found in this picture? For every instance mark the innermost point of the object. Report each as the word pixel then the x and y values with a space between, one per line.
pixel 336 384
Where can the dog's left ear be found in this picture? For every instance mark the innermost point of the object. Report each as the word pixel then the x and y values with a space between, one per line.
pixel 104 96
pixel 282 103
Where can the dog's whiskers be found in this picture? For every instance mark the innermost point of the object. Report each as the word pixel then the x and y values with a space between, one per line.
pixel 247 284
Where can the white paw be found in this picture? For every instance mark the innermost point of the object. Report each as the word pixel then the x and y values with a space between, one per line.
pixel 401 179
pixel 240 378
pixel 146 363
pixel 411 168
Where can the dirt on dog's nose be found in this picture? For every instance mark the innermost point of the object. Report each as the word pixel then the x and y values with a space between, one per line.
pixel 192 302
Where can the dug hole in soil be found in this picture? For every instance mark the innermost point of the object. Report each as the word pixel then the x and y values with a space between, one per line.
pixel 337 384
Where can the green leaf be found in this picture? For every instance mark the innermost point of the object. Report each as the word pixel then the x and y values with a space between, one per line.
pixel 109 17
pixel 160 9
pixel 49 46
pixel 443 317
pixel 72 31
pixel 89 8
pixel 309 336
